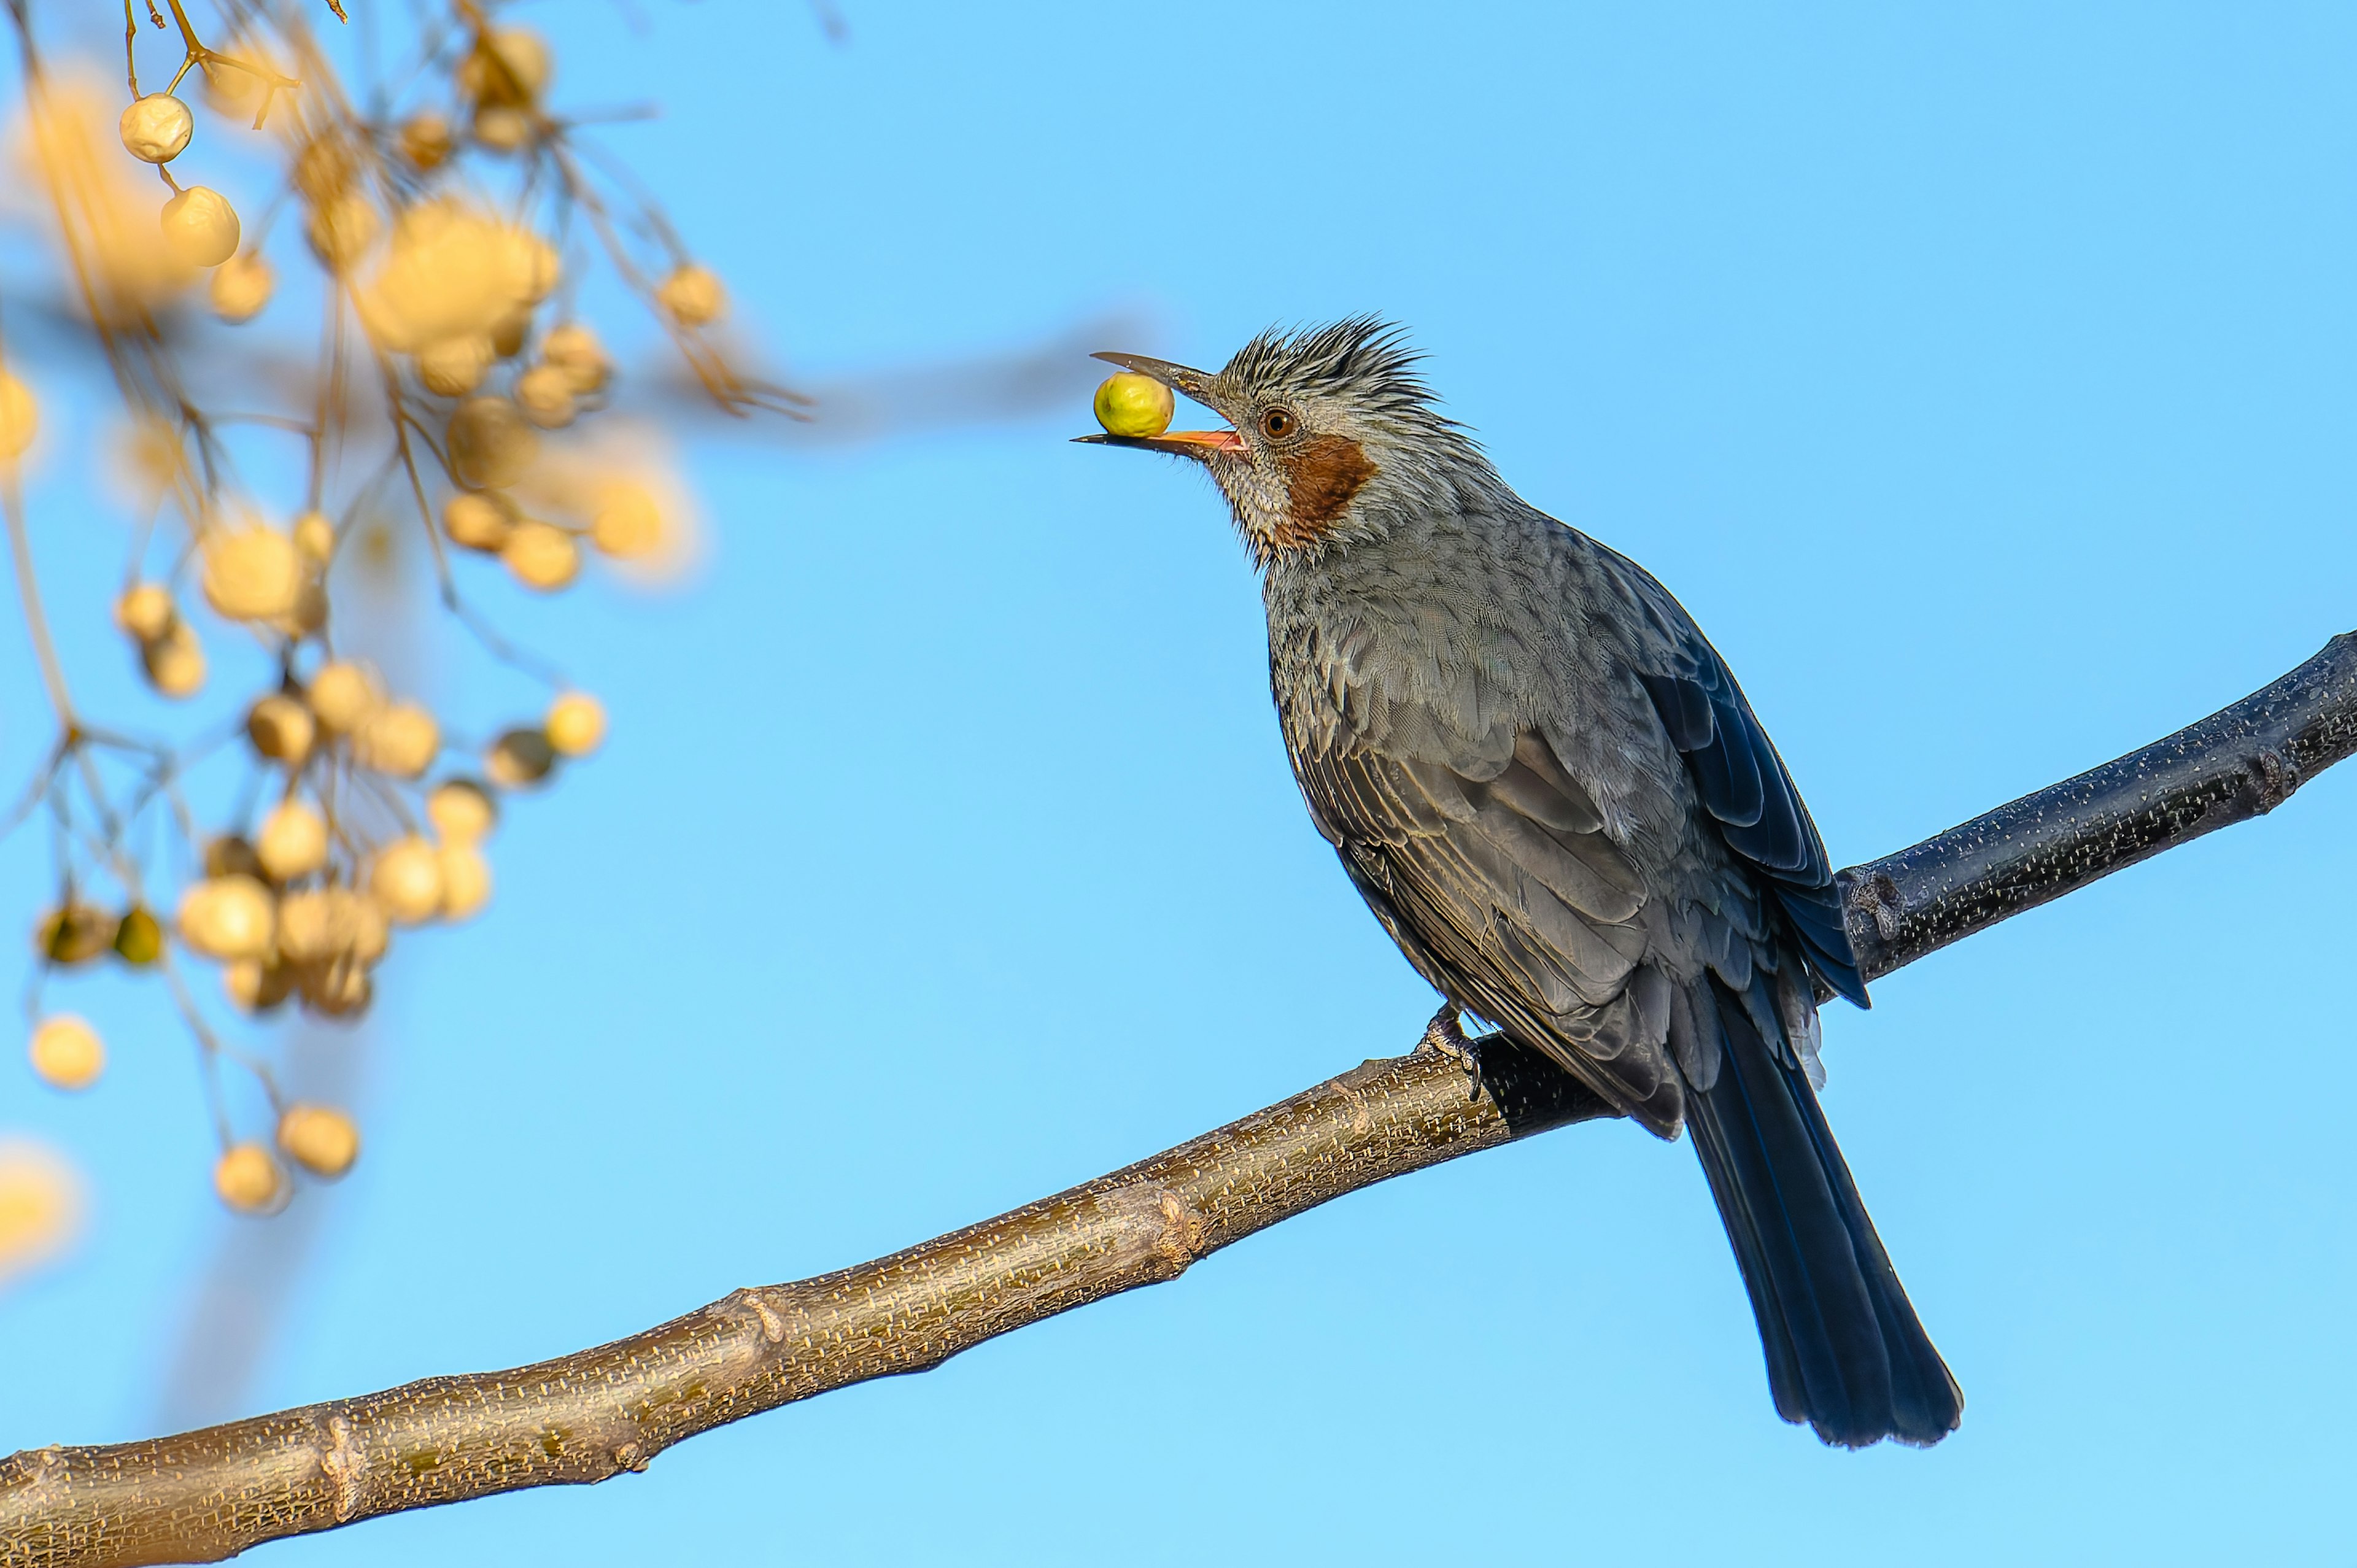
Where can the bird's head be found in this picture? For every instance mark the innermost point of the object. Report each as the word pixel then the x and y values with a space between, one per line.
pixel 1331 435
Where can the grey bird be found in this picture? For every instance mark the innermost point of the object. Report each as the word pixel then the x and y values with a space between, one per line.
pixel 1549 789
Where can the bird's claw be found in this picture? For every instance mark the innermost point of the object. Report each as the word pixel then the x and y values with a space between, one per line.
pixel 1446 1036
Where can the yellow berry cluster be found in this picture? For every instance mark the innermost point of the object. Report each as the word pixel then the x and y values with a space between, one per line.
pixel 452 350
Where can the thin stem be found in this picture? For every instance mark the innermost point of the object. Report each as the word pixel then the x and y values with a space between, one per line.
pixel 28 595
pixel 194 1019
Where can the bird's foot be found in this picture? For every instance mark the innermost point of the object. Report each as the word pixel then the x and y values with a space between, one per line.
pixel 1446 1036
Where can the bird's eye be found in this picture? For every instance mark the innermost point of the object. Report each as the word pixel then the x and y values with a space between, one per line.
pixel 1278 422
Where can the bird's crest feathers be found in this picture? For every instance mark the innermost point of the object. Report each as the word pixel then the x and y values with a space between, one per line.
pixel 1364 362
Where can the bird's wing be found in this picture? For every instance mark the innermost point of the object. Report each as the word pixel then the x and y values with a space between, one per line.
pixel 1508 895
pixel 1737 770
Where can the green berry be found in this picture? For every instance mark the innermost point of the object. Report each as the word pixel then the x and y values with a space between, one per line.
pixel 1133 405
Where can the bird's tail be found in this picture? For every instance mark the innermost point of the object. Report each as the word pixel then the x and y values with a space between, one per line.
pixel 1845 1352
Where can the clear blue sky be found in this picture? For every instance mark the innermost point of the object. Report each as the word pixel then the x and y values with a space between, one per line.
pixel 1981 377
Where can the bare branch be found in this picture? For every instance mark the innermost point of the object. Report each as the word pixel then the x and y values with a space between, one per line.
pixel 208 1495
pixel 2241 762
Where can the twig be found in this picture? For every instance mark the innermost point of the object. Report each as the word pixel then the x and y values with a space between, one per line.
pixel 207 1495
pixel 198 55
pixel 28 598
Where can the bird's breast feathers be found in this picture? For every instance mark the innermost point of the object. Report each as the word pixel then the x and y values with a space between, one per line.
pixel 1445 653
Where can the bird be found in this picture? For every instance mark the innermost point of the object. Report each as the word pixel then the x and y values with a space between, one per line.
pixel 1550 790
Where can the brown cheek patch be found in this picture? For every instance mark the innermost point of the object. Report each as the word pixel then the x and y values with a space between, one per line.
pixel 1319 482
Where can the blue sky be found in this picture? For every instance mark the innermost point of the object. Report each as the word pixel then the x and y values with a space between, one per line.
pixel 1980 377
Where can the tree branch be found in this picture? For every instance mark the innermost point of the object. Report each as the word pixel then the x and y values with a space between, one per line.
pixel 207 1495
pixel 2241 762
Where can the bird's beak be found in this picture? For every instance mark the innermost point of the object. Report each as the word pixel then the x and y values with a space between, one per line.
pixel 1193 384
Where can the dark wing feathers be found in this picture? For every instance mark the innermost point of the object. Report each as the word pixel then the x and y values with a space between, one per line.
pixel 1570 877
pixel 1553 803
pixel 1508 897
pixel 1740 777
pixel 1686 710
pixel 1728 770
pixel 1816 914
pixel 1444 788
pixel 1555 797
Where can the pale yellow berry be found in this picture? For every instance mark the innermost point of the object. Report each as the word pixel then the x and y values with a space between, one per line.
pixel 465 880
pixel 233 94
pixel 320 1138
pixel 74 934
pixel 324 167
pixel 230 855
pixel 544 392
pixel 326 924
pixel 575 724
pixel 509 332
pixel 310 611
pixel 292 842
pixel 491 443
pixel 241 286
pixel 252 573
pixel 1133 405
pixel 525 55
pixel 20 417
pixel 426 140
pixel 455 366
pixel 476 521
pixel 281 728
pixel 175 662
pixel 540 555
pixel 250 1179
pixel 400 739
pixel 519 758
pixel 145 455
pixel 695 296
pixel 406 881
pixel 146 611
pixel 574 350
pixel 229 917
pixel 501 127
pixel 342 228
pixel 335 990
pixel 252 986
pixel 40 1206
pixel 67 1052
pixel 508 65
pixel 342 695
pixel 364 926
pixel 156 127
pixel 308 927
pixel 461 811
pixel 315 539
pixel 627 524
pixel 200 227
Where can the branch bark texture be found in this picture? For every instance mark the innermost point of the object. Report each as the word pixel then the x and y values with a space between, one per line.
pixel 2239 763
pixel 207 1495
